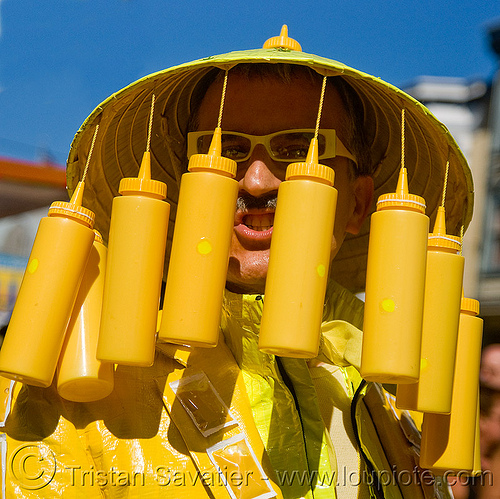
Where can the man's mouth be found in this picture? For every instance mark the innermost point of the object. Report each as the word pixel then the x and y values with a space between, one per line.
pixel 254 220
pixel 254 230
pixel 259 222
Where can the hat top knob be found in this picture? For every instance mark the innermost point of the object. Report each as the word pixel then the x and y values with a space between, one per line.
pixel 283 41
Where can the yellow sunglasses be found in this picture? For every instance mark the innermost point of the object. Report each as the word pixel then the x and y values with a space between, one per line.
pixel 285 145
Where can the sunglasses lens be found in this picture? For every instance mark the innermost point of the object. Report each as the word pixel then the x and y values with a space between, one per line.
pixel 203 143
pixel 294 146
pixel 234 147
pixel 290 146
pixel 321 145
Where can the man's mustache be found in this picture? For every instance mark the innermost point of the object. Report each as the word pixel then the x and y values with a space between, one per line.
pixel 246 202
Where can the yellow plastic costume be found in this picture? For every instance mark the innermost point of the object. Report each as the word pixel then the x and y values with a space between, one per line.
pixel 141 442
pixel 233 422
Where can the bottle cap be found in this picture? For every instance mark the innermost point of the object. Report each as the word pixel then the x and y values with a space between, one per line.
pixel 401 199
pixel 469 305
pixel 203 162
pixel 213 161
pixel 74 208
pixel 97 237
pixel 438 237
pixel 143 184
pixel 311 168
pixel 283 41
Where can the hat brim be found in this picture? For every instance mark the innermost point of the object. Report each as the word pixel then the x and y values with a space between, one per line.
pixel 122 138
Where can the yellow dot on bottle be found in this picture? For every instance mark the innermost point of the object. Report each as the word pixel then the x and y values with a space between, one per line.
pixel 321 270
pixel 33 265
pixel 204 247
pixel 423 364
pixel 388 305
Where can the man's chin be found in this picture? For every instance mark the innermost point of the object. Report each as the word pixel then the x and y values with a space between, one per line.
pixel 243 289
pixel 247 277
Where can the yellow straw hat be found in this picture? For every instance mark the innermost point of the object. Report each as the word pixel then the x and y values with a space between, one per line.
pixel 123 130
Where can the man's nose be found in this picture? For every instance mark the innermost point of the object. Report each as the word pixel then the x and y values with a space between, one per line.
pixel 259 177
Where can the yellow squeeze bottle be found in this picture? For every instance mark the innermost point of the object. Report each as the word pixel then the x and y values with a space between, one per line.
pixel 48 292
pixel 134 270
pixel 200 249
pixel 394 295
pixel 298 266
pixel 443 294
pixel 80 376
pixel 448 440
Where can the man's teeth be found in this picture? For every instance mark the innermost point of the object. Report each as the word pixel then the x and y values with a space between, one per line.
pixel 259 222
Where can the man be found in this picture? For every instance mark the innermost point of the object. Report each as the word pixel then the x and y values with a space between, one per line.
pixel 233 421
pixel 490 366
pixel 260 101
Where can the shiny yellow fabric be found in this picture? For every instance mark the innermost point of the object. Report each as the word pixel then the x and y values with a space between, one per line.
pixel 318 392
pixel 140 441
pixel 273 406
pixel 101 448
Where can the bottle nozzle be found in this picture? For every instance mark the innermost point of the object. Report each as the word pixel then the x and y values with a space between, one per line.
pixel 213 160
pixel 310 168
pixel 402 187
pixel 312 153
pixel 77 197
pixel 438 238
pixel 143 184
pixel 145 170
pixel 74 208
pixel 440 223
pixel 401 198
pixel 216 144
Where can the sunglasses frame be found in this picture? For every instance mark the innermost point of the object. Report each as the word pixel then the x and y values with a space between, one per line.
pixel 333 145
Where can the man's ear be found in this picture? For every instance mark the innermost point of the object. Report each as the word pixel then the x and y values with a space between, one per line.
pixel 363 194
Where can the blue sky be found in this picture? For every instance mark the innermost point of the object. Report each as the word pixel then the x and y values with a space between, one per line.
pixel 60 58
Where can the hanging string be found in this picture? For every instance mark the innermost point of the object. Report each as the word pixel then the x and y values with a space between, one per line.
pixel 150 127
pixel 461 239
pixel 320 110
pixel 90 153
pixel 223 97
pixel 403 137
pixel 445 182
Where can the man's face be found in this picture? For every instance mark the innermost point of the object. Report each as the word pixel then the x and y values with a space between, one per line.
pixel 261 106
pixel 490 366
